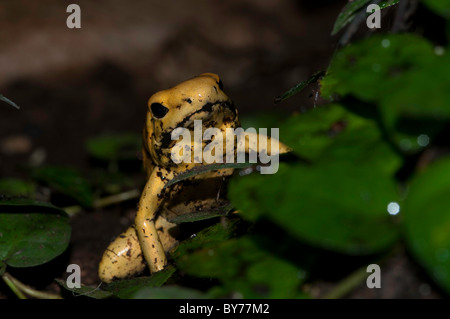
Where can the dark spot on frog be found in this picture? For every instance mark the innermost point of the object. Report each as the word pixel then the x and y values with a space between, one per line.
pixel 160 175
pixel 188 100
pixel 166 139
pixel 215 89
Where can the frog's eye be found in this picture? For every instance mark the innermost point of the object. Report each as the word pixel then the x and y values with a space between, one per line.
pixel 158 110
pixel 220 84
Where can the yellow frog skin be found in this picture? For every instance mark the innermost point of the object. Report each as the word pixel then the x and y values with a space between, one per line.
pixel 151 236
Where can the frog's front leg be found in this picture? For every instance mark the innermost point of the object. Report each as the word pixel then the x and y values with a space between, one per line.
pixel 149 205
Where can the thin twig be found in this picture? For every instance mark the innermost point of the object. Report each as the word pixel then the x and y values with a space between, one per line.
pixel 348 284
pixel 21 290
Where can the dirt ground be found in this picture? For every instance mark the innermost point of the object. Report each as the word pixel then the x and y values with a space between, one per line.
pixel 75 83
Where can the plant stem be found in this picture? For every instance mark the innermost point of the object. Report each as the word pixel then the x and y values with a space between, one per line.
pixel 6 278
pixel 21 289
pixel 105 201
pixel 348 284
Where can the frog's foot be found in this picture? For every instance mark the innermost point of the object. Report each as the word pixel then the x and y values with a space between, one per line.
pixel 123 258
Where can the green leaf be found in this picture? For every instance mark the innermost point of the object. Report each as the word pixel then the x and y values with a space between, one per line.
pixel 16 187
pixel 403 77
pixel 427 221
pixel 352 8
pixel 310 134
pixel 26 203
pixel 244 268
pixel 202 169
pixel 31 235
pixel 67 181
pixel 4 99
pixel 205 238
pixel 126 289
pixel 169 292
pixel 336 205
pixel 87 291
pixel 300 86
pixel 366 69
pixel 347 14
pixel 441 7
pixel 114 146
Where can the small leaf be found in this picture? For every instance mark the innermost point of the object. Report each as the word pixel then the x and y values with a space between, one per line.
pixel 335 205
pixel 16 187
pixel 347 14
pixel 4 99
pixel 244 268
pixel 441 7
pixel 201 215
pixel 202 169
pixel 86 291
pixel 67 181
pixel 387 3
pixel 31 235
pixel 299 87
pixel 399 75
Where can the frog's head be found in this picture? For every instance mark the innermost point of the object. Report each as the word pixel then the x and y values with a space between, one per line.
pixel 200 98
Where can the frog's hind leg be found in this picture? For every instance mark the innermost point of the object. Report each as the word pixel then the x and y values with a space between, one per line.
pixel 123 257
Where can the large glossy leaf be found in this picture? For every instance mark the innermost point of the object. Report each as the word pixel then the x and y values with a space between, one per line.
pixel 427 221
pixel 30 234
pixel 337 206
pixel 128 288
pixel 403 77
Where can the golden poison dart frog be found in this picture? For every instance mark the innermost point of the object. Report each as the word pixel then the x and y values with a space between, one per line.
pixel 151 236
